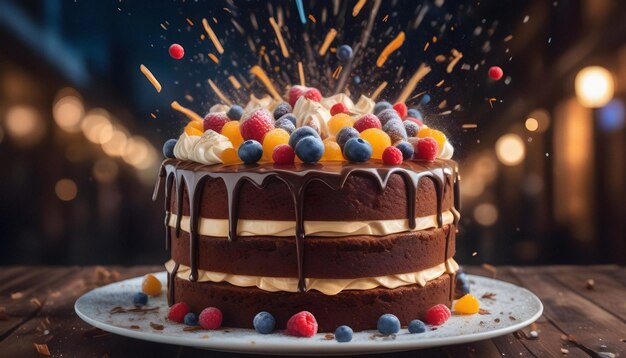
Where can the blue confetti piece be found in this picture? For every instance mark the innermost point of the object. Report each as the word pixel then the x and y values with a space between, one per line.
pixel 301 11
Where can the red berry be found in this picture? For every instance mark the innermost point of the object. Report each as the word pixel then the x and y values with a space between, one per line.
pixel 400 107
pixel 178 311
pixel 366 122
pixel 338 108
pixel 215 121
pixel 437 315
pixel 176 51
pixel 302 324
pixel 392 156
pixel 426 149
pixel 415 120
pixel 210 318
pixel 313 94
pixel 256 124
pixel 495 72
pixel 283 154
pixel 294 93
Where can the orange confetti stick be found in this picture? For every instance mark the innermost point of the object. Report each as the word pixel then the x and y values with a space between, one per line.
pixel 390 48
pixel 212 36
pixel 258 71
pixel 330 36
pixel 219 93
pixel 422 71
pixel 234 82
pixel 357 8
pixel 378 91
pixel 457 56
pixel 186 111
pixel 146 72
pixel 301 73
pixel 279 36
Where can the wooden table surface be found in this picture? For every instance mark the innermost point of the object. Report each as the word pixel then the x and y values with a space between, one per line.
pixel 581 318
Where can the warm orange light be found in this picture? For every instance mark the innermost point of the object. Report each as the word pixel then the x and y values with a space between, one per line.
pixel 96 121
pixel 68 111
pixel 24 123
pixel 486 214
pixel 510 149
pixel 594 86
pixel 531 124
pixel 66 189
pixel 116 145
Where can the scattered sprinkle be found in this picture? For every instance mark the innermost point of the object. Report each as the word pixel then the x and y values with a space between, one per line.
pixel 42 349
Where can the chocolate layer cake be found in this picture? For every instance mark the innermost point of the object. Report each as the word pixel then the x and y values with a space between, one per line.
pixel 332 238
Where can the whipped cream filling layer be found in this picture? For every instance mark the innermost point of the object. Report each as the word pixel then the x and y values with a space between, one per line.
pixel 247 227
pixel 327 286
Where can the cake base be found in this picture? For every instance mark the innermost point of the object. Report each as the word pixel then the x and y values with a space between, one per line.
pixel 358 309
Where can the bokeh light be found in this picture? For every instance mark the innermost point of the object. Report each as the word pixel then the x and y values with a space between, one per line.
pixel 611 116
pixel 66 189
pixel 594 86
pixel 486 214
pixel 531 124
pixel 116 145
pixel 68 111
pixel 543 119
pixel 105 170
pixel 510 149
pixel 24 124
pixel 96 121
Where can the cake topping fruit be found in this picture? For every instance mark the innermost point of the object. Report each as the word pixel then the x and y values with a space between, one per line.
pixel 302 324
pixel 411 128
pixel 168 148
pixel 462 286
pixel 338 108
pixel 231 131
pixel 345 134
pixel 343 334
pixel 426 149
pixel 310 149
pixel 392 156
pixel 467 304
pixel 210 318
pixel 140 299
pixel 378 139
pixel 285 123
pixel 367 121
pixel 194 128
pixel 387 115
pixel 338 121
pixel 294 93
pixel 417 326
pixel 250 151
pixel 344 53
pixel 300 133
pixel 495 73
pixel 215 121
pixel 313 94
pixel 425 99
pixel 395 129
pixel 281 109
pixel 381 106
pixel 283 154
pixel 388 324
pixel 151 285
pixel 357 150
pixel 264 322
pixel 273 138
pixel 178 311
pixel 438 315
pixel 290 117
pixel 176 51
pixel 433 133
pixel 230 156
pixel 255 124
pixel 414 113
pixel 332 151
pixel 235 112
pixel 191 319
pixel 406 148
pixel 400 107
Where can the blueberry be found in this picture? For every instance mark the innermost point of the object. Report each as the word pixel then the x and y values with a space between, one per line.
pixel 411 128
pixel 191 319
pixel 462 283
pixel 425 99
pixel 309 149
pixel 264 322
pixel 235 112
pixel 417 326
pixel 343 334
pixel 356 79
pixel 168 148
pixel 301 133
pixel 345 134
pixel 396 131
pixel 357 150
pixel 250 151
pixel 388 114
pixel 407 150
pixel 414 113
pixel 140 299
pixel 290 117
pixel 281 109
pixel 285 124
pixel 344 53
pixel 380 106
pixel 388 324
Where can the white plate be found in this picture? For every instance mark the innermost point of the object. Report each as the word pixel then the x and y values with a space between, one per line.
pixel 512 308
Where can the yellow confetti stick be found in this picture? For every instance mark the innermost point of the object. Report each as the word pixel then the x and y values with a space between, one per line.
pixel 186 111
pixel 212 36
pixel 301 73
pixel 234 82
pixel 357 8
pixel 279 36
pixel 378 91
pixel 330 36
pixel 146 72
pixel 214 58
pixel 457 56
pixel 390 48
pixel 422 71
pixel 219 93
pixel 258 71
pixel 469 126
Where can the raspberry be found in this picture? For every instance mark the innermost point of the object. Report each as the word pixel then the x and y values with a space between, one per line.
pixel 272 139
pixel 215 121
pixel 366 122
pixel 400 107
pixel 178 311
pixel 210 318
pixel 426 149
pixel 495 72
pixel 437 315
pixel 435 134
pixel 338 108
pixel 294 93
pixel 302 324
pixel 283 154
pixel 176 51
pixel 392 156
pixel 313 94
pixel 255 125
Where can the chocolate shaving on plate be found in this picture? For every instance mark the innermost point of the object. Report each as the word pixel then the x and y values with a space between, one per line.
pixel 158 327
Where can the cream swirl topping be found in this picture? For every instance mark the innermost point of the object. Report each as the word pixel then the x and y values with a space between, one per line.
pixel 205 149
pixel 313 114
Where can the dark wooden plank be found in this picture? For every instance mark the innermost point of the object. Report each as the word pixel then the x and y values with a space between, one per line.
pixel 9 273
pixel 486 348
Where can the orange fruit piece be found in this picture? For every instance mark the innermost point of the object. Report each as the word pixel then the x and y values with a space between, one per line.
pixel 151 285
pixel 467 304
pixel 338 121
pixel 438 136
pixel 230 156
pixel 231 131
pixel 332 152
pixel 272 139
pixel 194 128
pixel 378 139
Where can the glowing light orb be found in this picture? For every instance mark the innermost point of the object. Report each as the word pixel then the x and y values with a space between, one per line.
pixel 486 214
pixel 594 86
pixel 510 149
pixel 66 189
pixel 68 112
pixel 531 124
pixel 611 117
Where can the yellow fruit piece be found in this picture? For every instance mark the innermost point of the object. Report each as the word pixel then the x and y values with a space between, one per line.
pixel 151 285
pixel 194 128
pixel 338 121
pixel 230 156
pixel 273 138
pixel 378 139
pixel 467 304
pixel 332 152
pixel 438 136
pixel 231 131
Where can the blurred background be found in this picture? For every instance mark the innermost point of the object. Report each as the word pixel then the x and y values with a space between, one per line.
pixel 542 151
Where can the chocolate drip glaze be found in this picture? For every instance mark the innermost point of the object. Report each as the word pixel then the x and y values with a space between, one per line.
pixel 296 178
